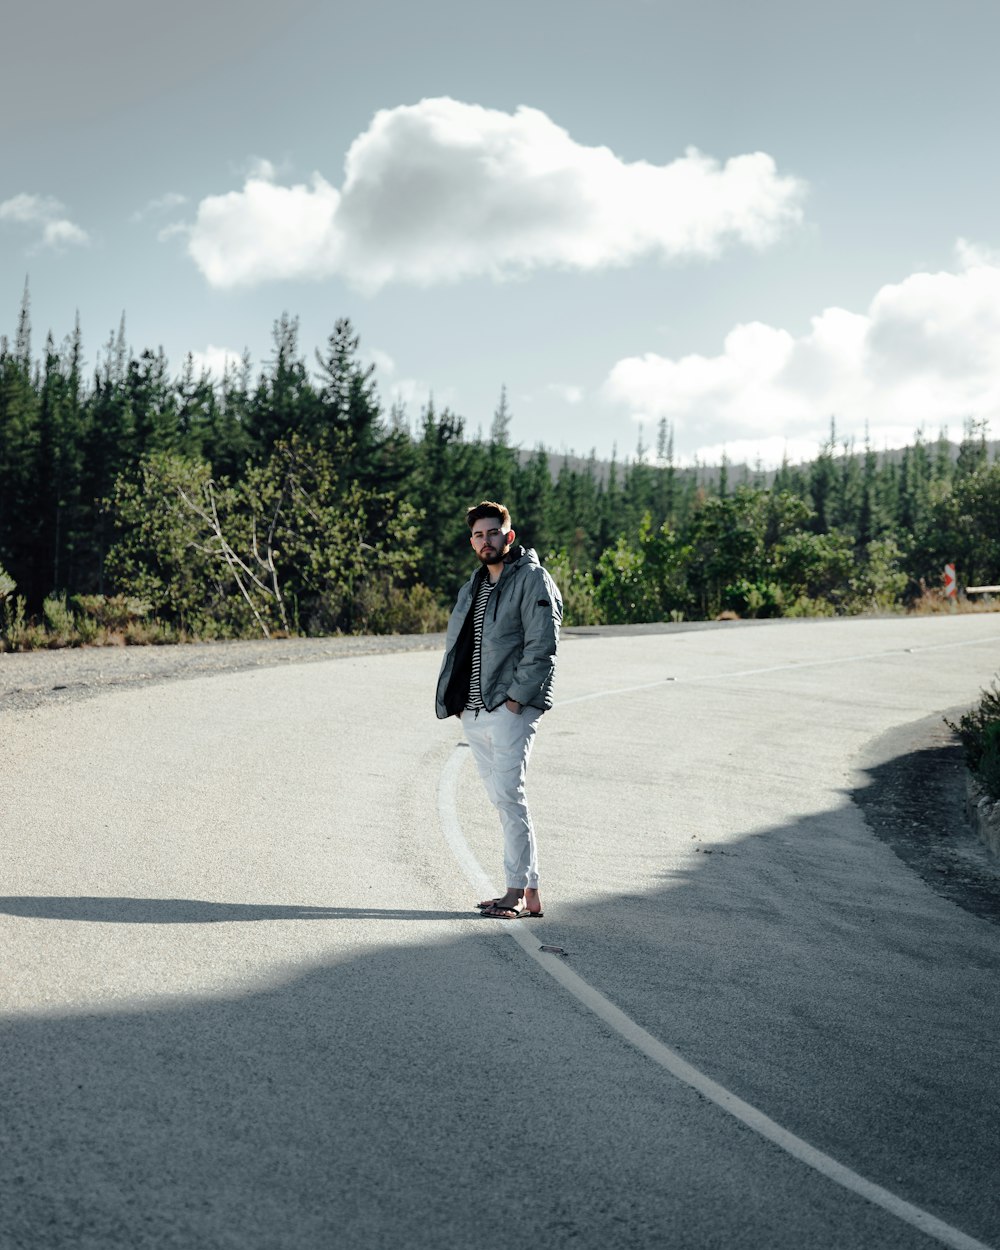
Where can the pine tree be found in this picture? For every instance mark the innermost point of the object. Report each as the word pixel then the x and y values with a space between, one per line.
pixel 943 470
pixel 869 514
pixel 108 442
pixel 582 542
pixel 533 488
pixel 501 459
pixel 639 487
pixel 666 476
pixel 848 511
pixel 823 484
pixel 19 449
pixel 284 401
pixel 152 402
pixel 349 408
pixel 887 494
pixel 783 477
pixel 611 513
pixel 724 477
pixel 973 454
pixel 56 474
pixel 22 341
pixel 442 488
pixel 914 484
pixel 228 442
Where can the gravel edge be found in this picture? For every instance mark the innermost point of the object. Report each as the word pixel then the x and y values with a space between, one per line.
pixel 41 678
pixel 912 792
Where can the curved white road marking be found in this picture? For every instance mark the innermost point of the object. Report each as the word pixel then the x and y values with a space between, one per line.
pixel 656 1050
pixel 781 668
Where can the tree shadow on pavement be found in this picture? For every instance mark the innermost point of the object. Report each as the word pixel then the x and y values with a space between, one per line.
pixel 404 1096
pixel 426 1095
pixel 913 798
pixel 114 910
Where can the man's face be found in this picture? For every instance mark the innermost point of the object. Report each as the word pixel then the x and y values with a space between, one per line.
pixel 489 541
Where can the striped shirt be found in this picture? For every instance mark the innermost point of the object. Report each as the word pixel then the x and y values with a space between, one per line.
pixel 475 700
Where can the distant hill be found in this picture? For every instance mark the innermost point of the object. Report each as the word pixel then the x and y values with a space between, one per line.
pixel 738 474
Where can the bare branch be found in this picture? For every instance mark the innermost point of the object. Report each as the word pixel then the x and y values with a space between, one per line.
pixel 233 560
pixel 270 558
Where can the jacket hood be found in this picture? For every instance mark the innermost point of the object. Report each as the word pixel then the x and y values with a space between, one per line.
pixel 517 553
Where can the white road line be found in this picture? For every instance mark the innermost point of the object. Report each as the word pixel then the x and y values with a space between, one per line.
pixel 656 1050
pixel 781 668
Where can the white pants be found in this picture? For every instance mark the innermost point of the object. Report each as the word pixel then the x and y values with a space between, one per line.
pixel 501 744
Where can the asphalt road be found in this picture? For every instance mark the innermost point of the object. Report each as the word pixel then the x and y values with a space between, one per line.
pixel 245 1002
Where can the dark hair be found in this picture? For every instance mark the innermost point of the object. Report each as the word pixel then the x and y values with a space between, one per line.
pixel 488 508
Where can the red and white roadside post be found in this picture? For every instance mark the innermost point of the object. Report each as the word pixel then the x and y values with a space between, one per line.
pixel 950 585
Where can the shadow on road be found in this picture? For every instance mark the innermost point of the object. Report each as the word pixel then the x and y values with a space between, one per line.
pixel 198 911
pixel 424 1095
pixel 913 799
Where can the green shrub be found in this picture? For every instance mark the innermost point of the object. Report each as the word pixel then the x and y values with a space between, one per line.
pixel 382 607
pixel 644 578
pixel 152 633
pixel 60 622
pixel 989 760
pixel 624 593
pixel 17 632
pixel 110 612
pixel 803 606
pixel 880 582
pixel 753 599
pixel 979 732
pixel 576 586
pixel 296 545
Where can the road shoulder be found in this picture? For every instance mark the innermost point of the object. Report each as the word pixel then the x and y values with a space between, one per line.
pixel 911 791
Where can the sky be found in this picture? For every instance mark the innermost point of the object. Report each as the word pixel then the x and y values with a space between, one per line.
pixel 750 218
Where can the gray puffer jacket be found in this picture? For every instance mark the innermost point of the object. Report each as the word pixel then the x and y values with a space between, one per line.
pixel 520 637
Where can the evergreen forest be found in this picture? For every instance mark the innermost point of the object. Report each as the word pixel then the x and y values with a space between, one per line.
pixel 146 505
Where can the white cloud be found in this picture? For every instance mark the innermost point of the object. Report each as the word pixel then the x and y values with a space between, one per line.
pixel 265 232
pixel 45 213
pixel 567 392
pixel 442 190
pixel 62 232
pixel 215 361
pixel 769 451
pixel 382 361
pixel 261 169
pixel 175 229
pixel 972 255
pixel 926 352
pixel 410 392
pixel 415 394
pixel 161 204
pixel 29 208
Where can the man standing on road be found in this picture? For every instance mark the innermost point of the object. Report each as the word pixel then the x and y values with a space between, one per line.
pixel 499 661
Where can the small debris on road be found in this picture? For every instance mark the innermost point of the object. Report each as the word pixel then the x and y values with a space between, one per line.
pixel 555 950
